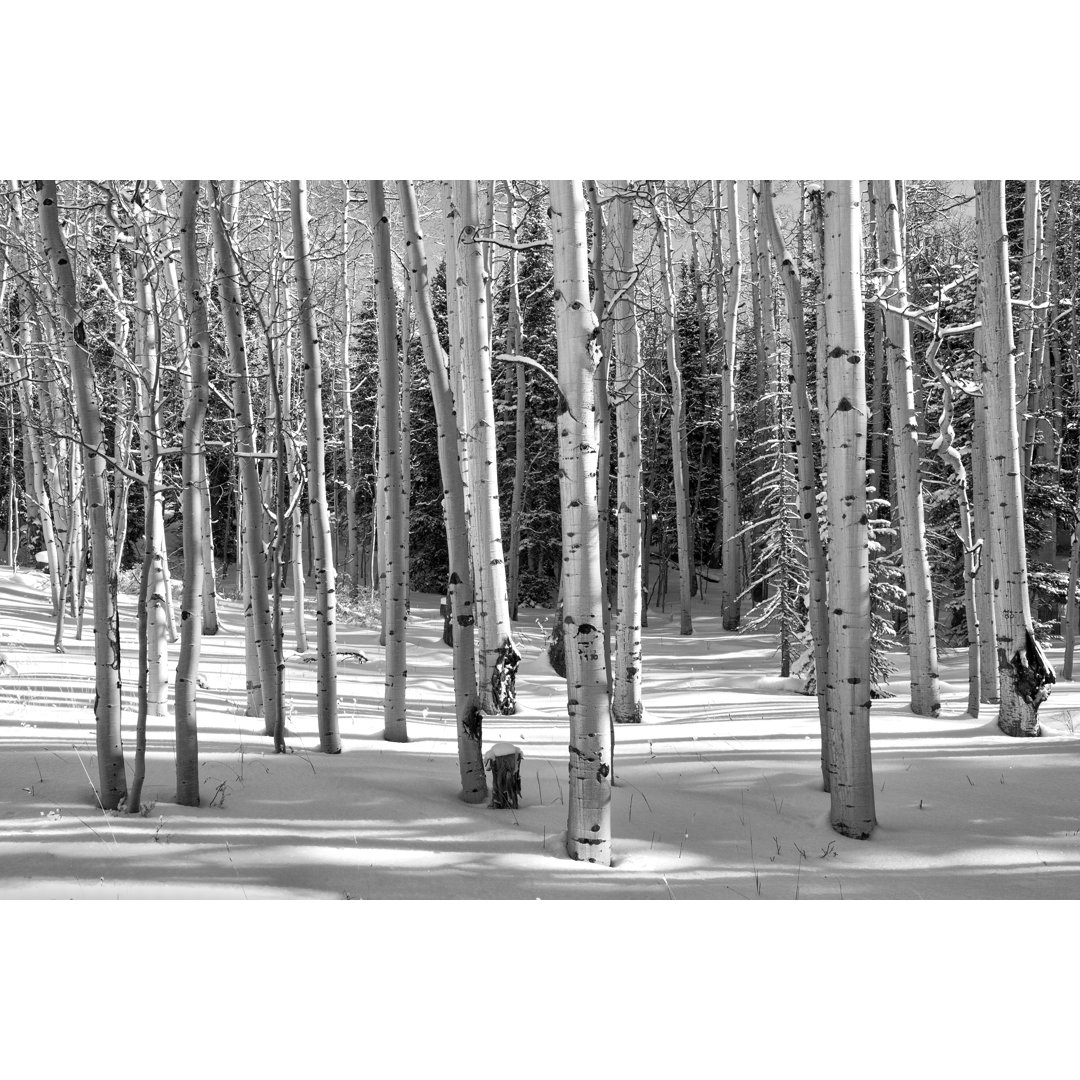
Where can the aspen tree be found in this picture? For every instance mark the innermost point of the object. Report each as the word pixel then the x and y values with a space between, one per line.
pixel 851 782
pixel 626 677
pixel 395 570
pixel 731 571
pixel 352 557
pixel 514 346
pixel 984 579
pixel 804 445
pixel 466 696
pixel 254 552
pixel 193 466
pixel 678 414
pixel 588 834
pixel 906 482
pixel 1025 676
pixel 497 676
pixel 319 513
pixel 112 782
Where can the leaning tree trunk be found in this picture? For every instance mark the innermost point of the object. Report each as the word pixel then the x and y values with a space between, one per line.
pixel 193 468
pixel 395 570
pixel 1025 676
pixel 626 676
pixel 466 697
pixel 851 781
pixel 588 833
pixel 498 665
pixel 110 750
pixel 804 445
pixel 254 551
pixel 906 483
pixel 678 420
pixel 319 514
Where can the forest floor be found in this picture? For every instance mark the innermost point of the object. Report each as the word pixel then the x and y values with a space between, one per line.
pixel 718 792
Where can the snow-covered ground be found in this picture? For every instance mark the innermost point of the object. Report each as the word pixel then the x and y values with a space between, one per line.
pixel 717 796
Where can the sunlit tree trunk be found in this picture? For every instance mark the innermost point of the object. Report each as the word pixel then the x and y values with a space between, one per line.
pixel 254 551
pixel 112 781
pixel 984 579
pixel 851 782
pixel 1025 321
pixel 466 697
pixel 1024 673
pixel 319 513
pixel 497 677
pixel 678 418
pixel 907 485
pixel 626 675
pixel 193 466
pixel 514 345
pixel 352 558
pixel 395 569
pixel 804 445
pixel 731 572
pixel 588 834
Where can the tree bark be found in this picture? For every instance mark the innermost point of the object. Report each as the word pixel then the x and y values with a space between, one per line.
pixel 804 445
pixel 626 677
pixel 466 697
pixel 497 676
pixel 588 834
pixel 851 782
pixel 1024 673
pixel 907 484
pixel 319 512
pixel 112 781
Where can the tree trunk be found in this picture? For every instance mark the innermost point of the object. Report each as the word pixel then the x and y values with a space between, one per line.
pixel 907 485
pixel 253 547
pixel 113 783
pixel 678 419
pixel 851 782
pixel 193 466
pixel 466 697
pixel 730 588
pixel 498 666
pixel 626 677
pixel 319 513
pixel 352 557
pixel 514 345
pixel 395 570
pixel 588 834
pixel 804 445
pixel 1025 675
pixel 984 578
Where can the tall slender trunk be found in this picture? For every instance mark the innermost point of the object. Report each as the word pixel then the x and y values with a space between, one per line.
pixel 498 665
pixel 626 675
pixel 922 637
pixel 514 345
pixel 984 578
pixel 352 557
pixel 1025 328
pixel 224 206
pixel 193 468
pixel 319 513
pixel 678 417
pixel 851 782
pixel 1025 675
pixel 804 447
pixel 588 833
pixel 466 697
pixel 112 781
pixel 731 572
pixel 395 569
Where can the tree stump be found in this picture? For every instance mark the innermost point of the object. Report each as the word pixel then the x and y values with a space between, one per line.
pixel 503 760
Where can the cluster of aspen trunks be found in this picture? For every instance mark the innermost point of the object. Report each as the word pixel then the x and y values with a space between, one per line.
pixel 180 258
